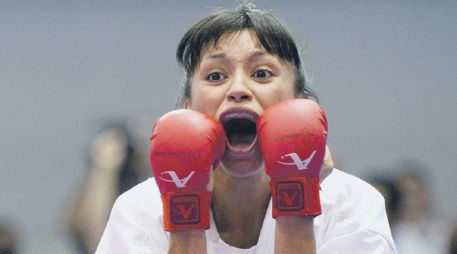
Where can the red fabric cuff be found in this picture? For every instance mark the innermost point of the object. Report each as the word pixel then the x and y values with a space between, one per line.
pixel 295 196
pixel 185 211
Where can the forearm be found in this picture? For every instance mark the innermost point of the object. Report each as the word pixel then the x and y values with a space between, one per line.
pixel 188 242
pixel 96 202
pixel 294 234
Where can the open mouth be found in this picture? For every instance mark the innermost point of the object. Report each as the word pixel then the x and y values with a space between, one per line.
pixel 240 129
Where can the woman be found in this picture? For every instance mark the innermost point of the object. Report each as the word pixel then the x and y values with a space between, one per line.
pixel 247 59
pixel 114 161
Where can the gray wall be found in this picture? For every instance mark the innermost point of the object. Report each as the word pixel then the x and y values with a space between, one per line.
pixel 385 72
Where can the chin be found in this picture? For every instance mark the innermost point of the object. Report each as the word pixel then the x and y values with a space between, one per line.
pixel 242 167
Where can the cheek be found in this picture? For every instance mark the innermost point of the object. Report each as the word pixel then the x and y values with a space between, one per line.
pixel 280 91
pixel 206 99
pixel 201 105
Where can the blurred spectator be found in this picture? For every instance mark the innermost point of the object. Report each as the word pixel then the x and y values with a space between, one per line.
pixel 8 244
pixel 453 242
pixel 387 186
pixel 418 229
pixel 116 165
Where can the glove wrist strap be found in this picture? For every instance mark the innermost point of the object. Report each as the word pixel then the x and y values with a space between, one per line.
pixel 295 196
pixel 186 211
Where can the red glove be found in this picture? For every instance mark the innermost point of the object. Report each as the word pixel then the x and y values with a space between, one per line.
pixel 185 146
pixel 292 136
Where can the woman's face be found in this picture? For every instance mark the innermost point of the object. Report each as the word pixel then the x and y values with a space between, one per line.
pixel 237 80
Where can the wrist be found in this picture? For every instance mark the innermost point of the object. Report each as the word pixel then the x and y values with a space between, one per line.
pixel 188 241
pixel 295 221
pixel 104 176
pixel 295 234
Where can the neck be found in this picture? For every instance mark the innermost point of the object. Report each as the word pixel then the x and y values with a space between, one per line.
pixel 239 207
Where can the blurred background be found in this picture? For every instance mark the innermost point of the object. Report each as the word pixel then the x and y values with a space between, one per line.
pixel 385 72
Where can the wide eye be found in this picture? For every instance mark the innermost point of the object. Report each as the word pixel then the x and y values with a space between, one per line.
pixel 262 73
pixel 215 76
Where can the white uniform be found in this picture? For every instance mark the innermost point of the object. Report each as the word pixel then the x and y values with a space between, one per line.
pixel 353 220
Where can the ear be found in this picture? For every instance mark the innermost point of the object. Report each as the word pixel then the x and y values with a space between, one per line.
pixel 186 104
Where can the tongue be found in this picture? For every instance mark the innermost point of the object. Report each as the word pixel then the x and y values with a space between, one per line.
pixel 241 139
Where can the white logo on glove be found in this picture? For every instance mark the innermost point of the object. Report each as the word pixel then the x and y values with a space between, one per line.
pixel 297 161
pixel 180 183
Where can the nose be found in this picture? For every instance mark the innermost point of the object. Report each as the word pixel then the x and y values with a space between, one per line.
pixel 238 91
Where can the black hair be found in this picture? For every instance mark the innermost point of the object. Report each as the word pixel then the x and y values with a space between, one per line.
pixel 388 187
pixel 271 33
pixel 391 187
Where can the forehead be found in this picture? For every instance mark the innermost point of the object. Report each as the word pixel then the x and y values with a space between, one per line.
pixel 242 39
pixel 243 44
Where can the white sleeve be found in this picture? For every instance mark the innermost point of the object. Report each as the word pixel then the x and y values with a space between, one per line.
pixel 358 242
pixel 357 222
pixel 132 228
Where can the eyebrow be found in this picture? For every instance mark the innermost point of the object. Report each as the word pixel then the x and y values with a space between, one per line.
pixel 217 56
pixel 253 56
pixel 256 55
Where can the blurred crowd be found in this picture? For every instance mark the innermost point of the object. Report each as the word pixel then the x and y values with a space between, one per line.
pixel 414 224
pixel 116 163
pixel 8 241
